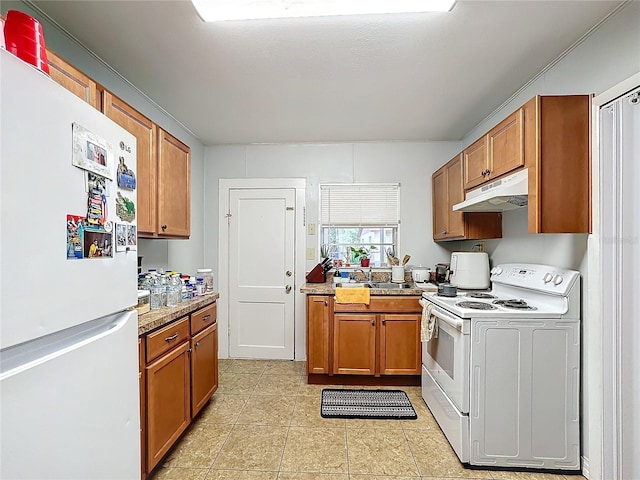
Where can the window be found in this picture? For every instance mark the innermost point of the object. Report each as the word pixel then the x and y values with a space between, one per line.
pixel 359 215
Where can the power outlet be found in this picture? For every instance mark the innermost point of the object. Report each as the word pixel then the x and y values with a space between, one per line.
pixel 478 247
pixel 311 253
pixel 311 228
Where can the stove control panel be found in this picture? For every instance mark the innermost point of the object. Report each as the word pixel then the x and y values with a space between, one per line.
pixel 544 278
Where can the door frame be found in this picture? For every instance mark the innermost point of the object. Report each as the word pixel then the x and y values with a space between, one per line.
pixel 602 348
pixel 224 187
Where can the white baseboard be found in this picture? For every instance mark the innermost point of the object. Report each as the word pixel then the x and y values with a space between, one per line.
pixel 585 467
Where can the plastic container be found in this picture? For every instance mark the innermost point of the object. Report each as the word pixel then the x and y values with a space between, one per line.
pixel 207 275
pixel 144 300
pixel 201 287
pixel 24 38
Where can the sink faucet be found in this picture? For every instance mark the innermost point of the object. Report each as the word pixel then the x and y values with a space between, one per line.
pixel 367 274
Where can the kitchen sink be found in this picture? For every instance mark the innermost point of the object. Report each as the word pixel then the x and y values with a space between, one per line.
pixel 390 285
pixel 352 285
pixel 384 285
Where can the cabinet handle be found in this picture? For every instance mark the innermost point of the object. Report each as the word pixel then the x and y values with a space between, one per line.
pixel 373 322
pixel 206 318
pixel 164 227
pixel 189 350
pixel 444 232
pixel 172 337
pixel 197 344
pixel 326 304
pixel 287 288
pixel 384 322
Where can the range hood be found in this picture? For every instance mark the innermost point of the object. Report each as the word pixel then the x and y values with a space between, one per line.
pixel 507 193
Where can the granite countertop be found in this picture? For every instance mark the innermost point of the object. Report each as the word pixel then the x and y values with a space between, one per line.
pixel 157 318
pixel 328 289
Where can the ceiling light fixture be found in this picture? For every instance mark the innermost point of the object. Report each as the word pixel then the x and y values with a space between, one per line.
pixel 225 10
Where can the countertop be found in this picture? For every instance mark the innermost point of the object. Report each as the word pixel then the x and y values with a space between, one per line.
pixel 327 289
pixel 157 318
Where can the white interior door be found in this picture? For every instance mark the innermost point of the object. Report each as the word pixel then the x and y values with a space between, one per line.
pixel 261 279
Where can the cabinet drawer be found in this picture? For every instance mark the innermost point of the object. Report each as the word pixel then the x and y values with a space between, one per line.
pixel 203 318
pixel 387 304
pixel 166 338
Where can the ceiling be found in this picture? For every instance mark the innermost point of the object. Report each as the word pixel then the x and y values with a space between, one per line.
pixel 402 77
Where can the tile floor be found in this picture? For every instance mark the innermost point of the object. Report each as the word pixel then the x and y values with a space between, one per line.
pixel 264 423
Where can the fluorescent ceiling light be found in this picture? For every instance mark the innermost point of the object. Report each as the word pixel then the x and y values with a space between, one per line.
pixel 223 10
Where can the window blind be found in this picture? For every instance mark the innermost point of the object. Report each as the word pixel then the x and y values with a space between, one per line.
pixel 360 204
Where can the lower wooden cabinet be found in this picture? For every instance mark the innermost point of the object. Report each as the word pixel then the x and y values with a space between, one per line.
pixel 204 367
pixel 318 314
pixel 179 374
pixel 400 348
pixel 168 401
pixel 354 343
pixel 376 344
pixel 382 338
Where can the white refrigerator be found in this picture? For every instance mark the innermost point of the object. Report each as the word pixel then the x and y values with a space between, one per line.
pixel 69 396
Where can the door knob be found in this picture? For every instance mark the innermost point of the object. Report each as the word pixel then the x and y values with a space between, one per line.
pixel 288 273
pixel 288 288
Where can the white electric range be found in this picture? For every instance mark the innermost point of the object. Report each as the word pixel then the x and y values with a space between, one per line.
pixel 501 373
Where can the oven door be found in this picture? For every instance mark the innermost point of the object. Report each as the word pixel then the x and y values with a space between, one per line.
pixel 446 357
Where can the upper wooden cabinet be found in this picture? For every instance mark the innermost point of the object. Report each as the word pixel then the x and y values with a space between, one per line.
pixel 174 196
pixel 163 173
pixel 558 156
pixel 548 135
pixel 449 225
pixel 73 79
pixel 498 152
pixel 146 134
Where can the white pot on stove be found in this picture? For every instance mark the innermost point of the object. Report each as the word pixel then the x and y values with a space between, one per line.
pixel 470 270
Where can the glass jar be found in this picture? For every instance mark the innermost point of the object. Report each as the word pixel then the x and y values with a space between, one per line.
pixel 207 275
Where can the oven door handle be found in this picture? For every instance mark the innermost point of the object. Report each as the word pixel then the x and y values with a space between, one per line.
pixel 454 322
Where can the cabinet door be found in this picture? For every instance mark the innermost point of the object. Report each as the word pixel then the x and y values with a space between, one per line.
pixel 400 352
pixel 145 132
pixel 455 195
pixel 440 202
pixel 354 346
pixel 168 402
pixel 143 411
pixel 204 367
pixel 318 334
pixel 506 145
pixel 72 79
pixel 174 179
pixel 476 160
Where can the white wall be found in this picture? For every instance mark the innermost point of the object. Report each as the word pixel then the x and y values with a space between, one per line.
pixel 411 164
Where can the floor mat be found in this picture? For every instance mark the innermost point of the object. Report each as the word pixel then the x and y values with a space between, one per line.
pixel 382 404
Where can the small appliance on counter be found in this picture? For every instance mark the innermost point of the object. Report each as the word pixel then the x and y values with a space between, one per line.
pixel 469 270
pixel 318 273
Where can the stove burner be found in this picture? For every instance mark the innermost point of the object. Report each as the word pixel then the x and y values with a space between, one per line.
pixel 514 303
pixel 476 305
pixel 480 295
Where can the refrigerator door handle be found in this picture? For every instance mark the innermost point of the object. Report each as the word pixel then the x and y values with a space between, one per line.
pixel 24 356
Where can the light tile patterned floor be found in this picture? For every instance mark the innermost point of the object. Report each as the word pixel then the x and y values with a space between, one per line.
pixel 264 423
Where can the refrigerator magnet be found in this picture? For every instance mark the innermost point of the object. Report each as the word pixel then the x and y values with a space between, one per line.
pixel 125 176
pixel 98 182
pixel 75 228
pixel 91 152
pixel 132 237
pixel 121 237
pixel 97 243
pixel 96 208
pixel 125 208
